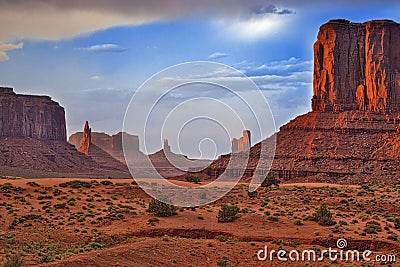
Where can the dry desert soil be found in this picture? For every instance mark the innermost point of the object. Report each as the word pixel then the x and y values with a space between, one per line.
pixel 94 222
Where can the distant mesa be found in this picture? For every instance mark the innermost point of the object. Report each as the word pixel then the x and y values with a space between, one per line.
pixel 243 143
pixel 112 144
pixel 33 141
pixel 96 153
pixel 36 117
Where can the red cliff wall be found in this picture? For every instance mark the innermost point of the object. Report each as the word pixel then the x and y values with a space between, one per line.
pixel 37 117
pixel 357 67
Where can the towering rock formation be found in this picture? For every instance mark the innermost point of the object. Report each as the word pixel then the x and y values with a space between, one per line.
pixel 243 143
pixel 86 139
pixel 357 67
pixel 98 154
pixel 112 144
pixel 353 133
pixel 36 117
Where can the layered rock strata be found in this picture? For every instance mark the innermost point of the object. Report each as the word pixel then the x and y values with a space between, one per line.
pixel 352 135
pixel 36 117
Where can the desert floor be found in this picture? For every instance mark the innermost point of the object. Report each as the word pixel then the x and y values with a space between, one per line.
pixel 53 222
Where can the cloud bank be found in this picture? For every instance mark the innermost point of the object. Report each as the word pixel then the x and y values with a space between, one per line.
pixel 217 55
pixel 8 47
pixel 54 20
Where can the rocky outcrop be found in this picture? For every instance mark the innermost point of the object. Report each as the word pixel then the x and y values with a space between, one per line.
pixel 96 153
pixel 33 141
pixel 112 144
pixel 352 135
pixel 36 117
pixel 86 140
pixel 357 67
pixel 243 143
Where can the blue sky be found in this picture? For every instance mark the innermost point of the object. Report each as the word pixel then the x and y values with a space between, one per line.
pixel 92 56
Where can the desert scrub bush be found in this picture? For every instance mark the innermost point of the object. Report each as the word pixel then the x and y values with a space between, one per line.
pixel 220 238
pixel 193 179
pixel 44 197
pixel 161 209
pixel 34 184
pixel 297 222
pixel 106 183
pixel 273 218
pixel 224 262
pixel 48 254
pixel 372 227
pixel 397 223
pixel 24 218
pixel 60 205
pixel 57 192
pixel 323 216
pixel 393 237
pixel 252 194
pixel 13 259
pixel 228 213
pixel 76 184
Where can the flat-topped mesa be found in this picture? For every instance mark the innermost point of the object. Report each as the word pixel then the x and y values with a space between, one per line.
pixel 36 117
pixel 6 91
pixel 357 67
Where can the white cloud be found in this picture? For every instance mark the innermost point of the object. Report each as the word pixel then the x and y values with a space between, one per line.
pixel 97 78
pixel 7 47
pixel 112 48
pixel 253 27
pixel 276 67
pixel 217 55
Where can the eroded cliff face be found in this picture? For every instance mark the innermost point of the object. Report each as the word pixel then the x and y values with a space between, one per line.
pixel 357 67
pixel 352 135
pixel 36 117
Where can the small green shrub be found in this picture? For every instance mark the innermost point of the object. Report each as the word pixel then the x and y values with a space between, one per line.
pixel 161 209
pixel 193 179
pixel 397 223
pixel 106 183
pixel 323 216
pixel 228 213
pixel 372 227
pixel 14 260
pixel 297 222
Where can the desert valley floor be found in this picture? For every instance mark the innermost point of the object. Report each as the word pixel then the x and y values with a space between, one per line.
pixel 93 222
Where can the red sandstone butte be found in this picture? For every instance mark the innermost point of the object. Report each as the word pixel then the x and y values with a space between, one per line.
pixel 352 134
pixel 243 143
pixel 357 66
pixel 30 116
